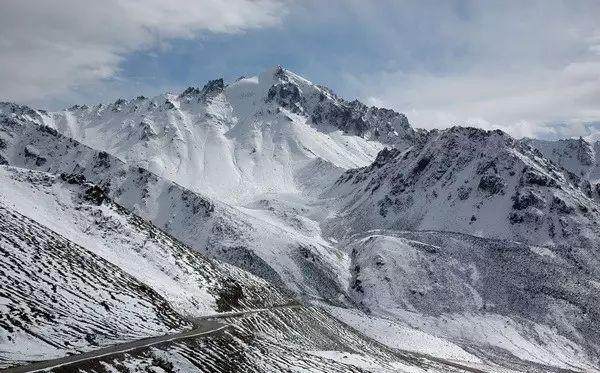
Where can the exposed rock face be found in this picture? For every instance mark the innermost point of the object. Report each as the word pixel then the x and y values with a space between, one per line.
pixel 468 244
pixel 354 117
pixel 287 95
pixel 481 182
pixel 325 108
pixel 576 155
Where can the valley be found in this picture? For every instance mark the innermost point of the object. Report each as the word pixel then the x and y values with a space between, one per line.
pixel 409 250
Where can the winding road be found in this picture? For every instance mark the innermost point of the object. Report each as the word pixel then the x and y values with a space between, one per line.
pixel 202 326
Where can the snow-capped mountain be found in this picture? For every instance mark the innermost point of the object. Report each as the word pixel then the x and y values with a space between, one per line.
pixel 130 280
pixel 86 276
pixel 431 230
pixel 483 183
pixel 281 246
pixel 576 155
pixel 235 141
pixel 447 250
pixel 536 302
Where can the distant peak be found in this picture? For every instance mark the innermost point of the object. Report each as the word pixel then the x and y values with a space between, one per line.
pixel 273 75
pixel 190 91
pixel 279 74
pixel 212 88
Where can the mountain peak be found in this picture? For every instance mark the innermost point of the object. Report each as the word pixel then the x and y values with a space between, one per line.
pixel 482 182
pixel 330 197
pixel 210 89
pixel 276 73
pixel 280 75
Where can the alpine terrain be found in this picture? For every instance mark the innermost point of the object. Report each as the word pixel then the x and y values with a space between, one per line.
pixel 267 224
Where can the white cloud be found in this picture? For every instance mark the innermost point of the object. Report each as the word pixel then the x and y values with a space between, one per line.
pixel 48 48
pixel 527 103
pixel 532 69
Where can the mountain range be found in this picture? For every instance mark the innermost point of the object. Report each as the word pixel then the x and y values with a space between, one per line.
pixel 408 250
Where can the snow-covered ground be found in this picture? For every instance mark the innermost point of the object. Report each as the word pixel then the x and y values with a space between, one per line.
pixel 472 181
pixel 396 334
pixel 190 282
pixel 230 143
pixel 59 298
pixel 482 295
pixel 462 244
pixel 116 278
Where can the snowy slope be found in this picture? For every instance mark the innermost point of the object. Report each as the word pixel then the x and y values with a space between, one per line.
pixel 282 178
pixel 291 340
pixel 256 239
pixel 536 303
pixel 58 298
pixel 579 156
pixel 192 284
pixel 233 141
pixel 472 181
pixel 117 278
pixel 168 269
pixel 533 301
pixel 242 143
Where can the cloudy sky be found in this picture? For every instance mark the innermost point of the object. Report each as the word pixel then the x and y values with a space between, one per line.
pixel 531 68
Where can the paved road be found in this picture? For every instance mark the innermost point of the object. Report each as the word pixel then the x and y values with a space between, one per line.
pixel 202 326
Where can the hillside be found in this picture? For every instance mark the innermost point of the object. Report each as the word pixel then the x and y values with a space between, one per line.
pixel 444 250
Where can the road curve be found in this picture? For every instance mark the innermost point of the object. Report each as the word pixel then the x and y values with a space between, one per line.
pixel 202 326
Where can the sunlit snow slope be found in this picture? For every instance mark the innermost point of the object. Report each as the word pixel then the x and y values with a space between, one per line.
pixel 467 245
pixel 235 141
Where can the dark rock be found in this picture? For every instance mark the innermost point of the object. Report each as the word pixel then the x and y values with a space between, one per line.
pixel 212 88
pixel 118 105
pixel 463 193
pixel 523 200
pixel 95 195
pixel 230 297
pixel 286 95
pixel 169 105
pixel 561 206
pixel 103 160
pixel 533 177
pixel 48 130
pixel 190 91
pixel 491 184
pixel 384 156
pixel 77 179
pixel 33 154
pixel 421 165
